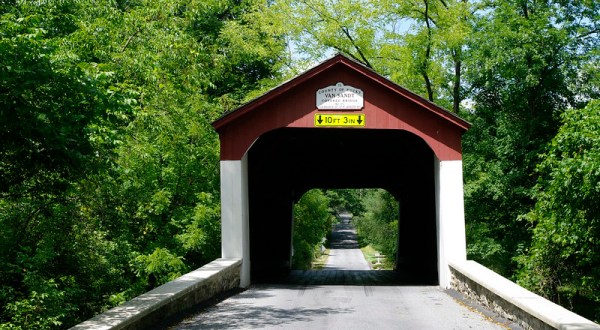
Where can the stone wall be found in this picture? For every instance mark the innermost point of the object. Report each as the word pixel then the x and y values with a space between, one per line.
pixel 493 302
pixel 512 301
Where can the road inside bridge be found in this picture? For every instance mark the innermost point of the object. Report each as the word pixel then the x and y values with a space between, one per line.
pixel 345 253
pixel 345 295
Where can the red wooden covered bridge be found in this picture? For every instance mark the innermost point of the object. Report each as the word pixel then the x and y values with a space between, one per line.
pixel 341 125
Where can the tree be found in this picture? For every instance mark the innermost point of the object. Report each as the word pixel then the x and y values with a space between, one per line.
pixel 418 44
pixel 378 225
pixel 524 71
pixel 346 200
pixel 48 108
pixel 187 63
pixel 563 262
pixel 427 55
pixel 109 177
pixel 312 223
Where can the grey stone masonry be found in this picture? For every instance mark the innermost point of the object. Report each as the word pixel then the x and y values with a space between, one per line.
pixel 171 298
pixel 511 301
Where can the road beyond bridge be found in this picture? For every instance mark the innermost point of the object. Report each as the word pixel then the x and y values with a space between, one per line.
pixel 345 295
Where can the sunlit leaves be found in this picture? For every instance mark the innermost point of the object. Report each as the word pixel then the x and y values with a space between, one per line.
pixel 323 27
pixel 378 224
pixel 160 266
pixel 45 106
pixel 564 258
pixel 109 165
pixel 522 72
pixel 312 222
pixel 418 44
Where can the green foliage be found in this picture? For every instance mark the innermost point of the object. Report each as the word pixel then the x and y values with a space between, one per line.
pixel 109 166
pixel 563 263
pixel 45 107
pixel 49 106
pixel 44 308
pixel 523 73
pixel 312 223
pixel 342 200
pixel 108 163
pixel 420 45
pixel 378 225
pixel 160 266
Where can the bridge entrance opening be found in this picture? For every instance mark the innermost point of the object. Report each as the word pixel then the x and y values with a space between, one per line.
pixel 345 229
pixel 341 125
pixel 285 163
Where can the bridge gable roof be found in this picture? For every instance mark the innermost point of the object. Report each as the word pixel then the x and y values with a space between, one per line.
pixel 386 106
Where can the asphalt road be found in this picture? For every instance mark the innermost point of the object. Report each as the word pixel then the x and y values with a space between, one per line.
pixel 339 307
pixel 354 298
pixel 344 253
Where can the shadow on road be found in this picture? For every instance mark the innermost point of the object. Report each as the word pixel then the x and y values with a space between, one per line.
pixel 351 277
pixel 235 315
pixel 343 236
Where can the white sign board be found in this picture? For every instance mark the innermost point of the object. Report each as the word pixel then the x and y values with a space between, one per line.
pixel 340 97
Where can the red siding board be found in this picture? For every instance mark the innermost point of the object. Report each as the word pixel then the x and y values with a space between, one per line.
pixel 387 106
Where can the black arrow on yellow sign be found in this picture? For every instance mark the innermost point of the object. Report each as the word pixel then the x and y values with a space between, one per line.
pixel 359 120
pixel 320 120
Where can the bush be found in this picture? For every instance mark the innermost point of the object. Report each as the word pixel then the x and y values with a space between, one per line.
pixel 378 225
pixel 312 222
pixel 563 263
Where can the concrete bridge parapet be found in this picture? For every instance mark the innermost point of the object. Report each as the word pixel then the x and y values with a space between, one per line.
pixel 171 298
pixel 513 302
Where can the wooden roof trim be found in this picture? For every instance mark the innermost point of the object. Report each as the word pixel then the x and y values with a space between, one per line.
pixel 273 93
pixel 359 67
pixel 408 94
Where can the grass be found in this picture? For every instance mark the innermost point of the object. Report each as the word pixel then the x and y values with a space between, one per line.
pixel 321 261
pixel 376 263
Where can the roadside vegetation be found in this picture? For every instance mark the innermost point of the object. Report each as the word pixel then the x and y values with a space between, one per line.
pixel 377 260
pixel 320 261
pixel 376 221
pixel 312 225
pixel 377 225
pixel 109 179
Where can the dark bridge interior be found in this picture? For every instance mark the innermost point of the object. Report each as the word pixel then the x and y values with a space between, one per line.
pixel 285 163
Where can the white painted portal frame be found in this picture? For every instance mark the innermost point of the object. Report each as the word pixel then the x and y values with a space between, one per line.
pixel 450 217
pixel 235 230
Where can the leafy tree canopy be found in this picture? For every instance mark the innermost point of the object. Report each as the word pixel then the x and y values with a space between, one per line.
pixel 564 260
pixel 108 163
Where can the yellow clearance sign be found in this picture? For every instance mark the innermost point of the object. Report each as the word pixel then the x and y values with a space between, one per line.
pixel 340 120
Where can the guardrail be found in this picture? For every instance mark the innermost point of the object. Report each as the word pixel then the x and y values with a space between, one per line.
pixel 513 302
pixel 171 298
